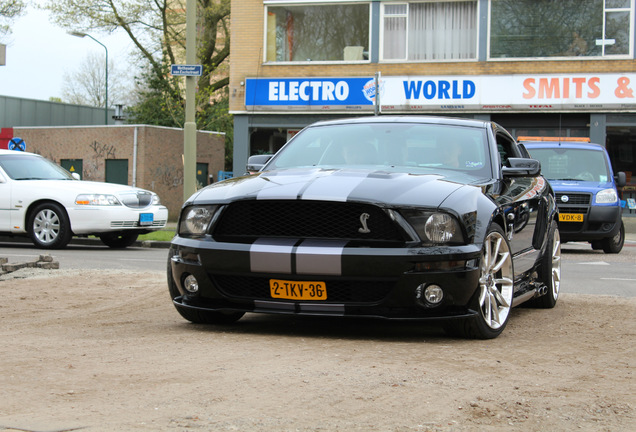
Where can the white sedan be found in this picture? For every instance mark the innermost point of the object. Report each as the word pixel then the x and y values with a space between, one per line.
pixel 43 201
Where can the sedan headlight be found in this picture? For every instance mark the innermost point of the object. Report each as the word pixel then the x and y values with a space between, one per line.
pixel 606 196
pixel 435 227
pixel 196 220
pixel 97 200
pixel 155 199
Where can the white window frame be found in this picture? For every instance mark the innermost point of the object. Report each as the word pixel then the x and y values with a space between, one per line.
pixel 603 56
pixel 405 59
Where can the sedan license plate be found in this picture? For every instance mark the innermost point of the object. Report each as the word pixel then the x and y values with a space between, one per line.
pixel 570 217
pixel 298 290
pixel 145 219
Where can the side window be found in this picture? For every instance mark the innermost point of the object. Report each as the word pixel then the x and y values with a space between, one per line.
pixel 506 149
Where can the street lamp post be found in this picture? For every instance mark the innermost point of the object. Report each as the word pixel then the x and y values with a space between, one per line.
pixel 80 34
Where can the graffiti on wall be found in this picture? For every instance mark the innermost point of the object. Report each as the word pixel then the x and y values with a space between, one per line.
pixel 169 176
pixel 104 151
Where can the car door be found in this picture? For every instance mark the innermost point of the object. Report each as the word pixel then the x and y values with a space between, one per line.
pixel 521 198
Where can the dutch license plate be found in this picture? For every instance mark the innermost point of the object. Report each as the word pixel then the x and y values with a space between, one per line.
pixel 570 217
pixel 145 219
pixel 298 290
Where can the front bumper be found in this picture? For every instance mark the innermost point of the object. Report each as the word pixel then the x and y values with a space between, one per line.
pixel 360 281
pixel 94 219
pixel 599 222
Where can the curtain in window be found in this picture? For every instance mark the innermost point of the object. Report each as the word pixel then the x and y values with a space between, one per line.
pixel 442 31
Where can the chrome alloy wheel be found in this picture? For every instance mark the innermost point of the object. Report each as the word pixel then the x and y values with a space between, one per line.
pixel 46 226
pixel 556 264
pixel 496 281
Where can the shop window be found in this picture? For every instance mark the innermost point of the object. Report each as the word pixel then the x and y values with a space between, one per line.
pixel 565 28
pixel 429 31
pixel 317 32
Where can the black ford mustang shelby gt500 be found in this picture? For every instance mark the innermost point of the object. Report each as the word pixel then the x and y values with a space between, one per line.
pixel 389 217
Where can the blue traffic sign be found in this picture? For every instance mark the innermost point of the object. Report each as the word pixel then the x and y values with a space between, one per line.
pixel 16 143
pixel 186 70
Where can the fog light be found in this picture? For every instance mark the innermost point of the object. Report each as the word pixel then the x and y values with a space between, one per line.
pixel 433 294
pixel 430 295
pixel 190 284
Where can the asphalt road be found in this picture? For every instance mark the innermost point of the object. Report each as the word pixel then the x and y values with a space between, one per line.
pixel 584 270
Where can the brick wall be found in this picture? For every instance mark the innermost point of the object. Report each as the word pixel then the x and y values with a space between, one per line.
pixel 159 154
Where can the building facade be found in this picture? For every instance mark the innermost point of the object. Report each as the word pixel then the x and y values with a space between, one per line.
pixel 537 67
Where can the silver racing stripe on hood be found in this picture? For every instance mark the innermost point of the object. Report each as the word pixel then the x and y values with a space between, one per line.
pixel 336 187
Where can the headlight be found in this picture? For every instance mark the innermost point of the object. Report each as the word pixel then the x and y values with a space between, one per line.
pixel 606 196
pixel 155 199
pixel 97 200
pixel 196 220
pixel 435 227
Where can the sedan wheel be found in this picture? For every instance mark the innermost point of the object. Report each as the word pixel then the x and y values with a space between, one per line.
pixel 48 226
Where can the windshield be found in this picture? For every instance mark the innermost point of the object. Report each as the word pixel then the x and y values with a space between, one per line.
pixel 572 164
pixel 403 147
pixel 28 167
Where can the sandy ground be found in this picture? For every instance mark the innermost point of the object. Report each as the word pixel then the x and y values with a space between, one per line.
pixel 106 351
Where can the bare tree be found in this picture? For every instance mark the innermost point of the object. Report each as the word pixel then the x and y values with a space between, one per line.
pixel 86 85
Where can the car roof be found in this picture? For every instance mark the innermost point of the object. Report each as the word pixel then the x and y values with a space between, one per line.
pixel 563 144
pixel 451 121
pixel 8 152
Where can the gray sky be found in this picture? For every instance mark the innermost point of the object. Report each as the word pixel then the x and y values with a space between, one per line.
pixel 39 54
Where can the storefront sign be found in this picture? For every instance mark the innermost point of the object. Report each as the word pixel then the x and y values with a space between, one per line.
pixel 572 92
pixel 308 93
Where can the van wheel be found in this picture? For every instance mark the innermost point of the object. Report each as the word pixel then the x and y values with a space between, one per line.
pixel 614 244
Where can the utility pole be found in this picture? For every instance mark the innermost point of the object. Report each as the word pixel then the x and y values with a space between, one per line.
pixel 190 127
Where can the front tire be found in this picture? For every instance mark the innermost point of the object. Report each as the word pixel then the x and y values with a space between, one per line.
pixel 493 299
pixel 614 244
pixel 48 226
pixel 119 240
pixel 199 316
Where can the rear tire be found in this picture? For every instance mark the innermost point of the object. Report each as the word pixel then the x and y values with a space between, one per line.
pixel 119 240
pixel 614 244
pixel 199 316
pixel 48 226
pixel 550 270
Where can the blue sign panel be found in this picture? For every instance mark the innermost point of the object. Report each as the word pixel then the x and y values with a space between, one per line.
pixel 310 93
pixel 186 70
pixel 16 143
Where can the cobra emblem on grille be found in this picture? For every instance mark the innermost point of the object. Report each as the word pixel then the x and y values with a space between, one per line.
pixel 363 221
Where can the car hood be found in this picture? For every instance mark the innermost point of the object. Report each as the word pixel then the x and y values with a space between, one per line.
pixel 390 188
pixel 579 186
pixel 76 187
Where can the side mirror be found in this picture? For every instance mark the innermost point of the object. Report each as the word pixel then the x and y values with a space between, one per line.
pixel 522 167
pixel 620 179
pixel 256 163
pixel 76 176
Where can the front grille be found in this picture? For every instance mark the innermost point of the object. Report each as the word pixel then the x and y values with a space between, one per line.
pixel 136 200
pixel 574 198
pixel 572 209
pixel 338 291
pixel 135 224
pixel 248 220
